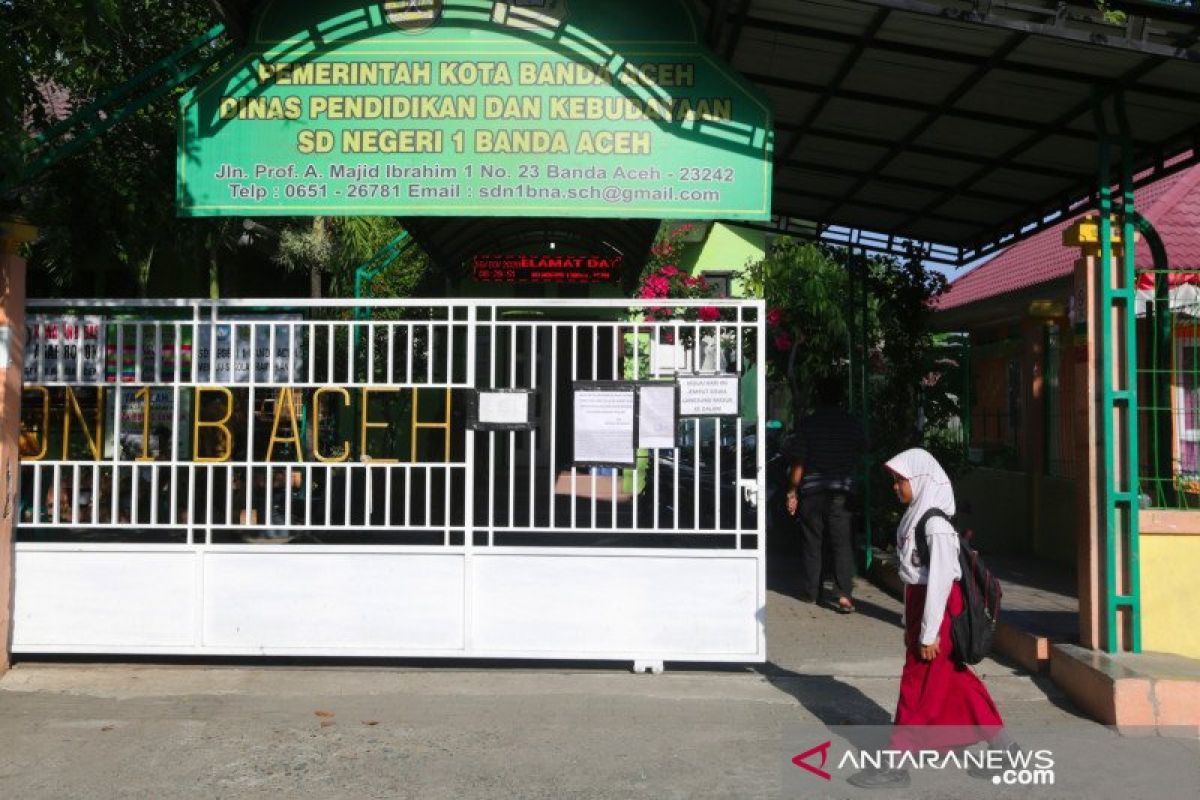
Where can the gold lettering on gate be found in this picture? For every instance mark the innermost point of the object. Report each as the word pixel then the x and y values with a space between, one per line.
pixel 227 449
pixel 316 445
pixel 286 399
pixel 144 393
pixel 45 427
pixel 366 424
pixel 72 405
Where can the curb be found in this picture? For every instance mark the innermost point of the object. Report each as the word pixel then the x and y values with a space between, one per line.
pixel 1027 650
pixel 1112 692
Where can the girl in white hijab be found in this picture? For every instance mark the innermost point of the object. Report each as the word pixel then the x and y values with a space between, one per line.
pixel 928 487
pixel 935 688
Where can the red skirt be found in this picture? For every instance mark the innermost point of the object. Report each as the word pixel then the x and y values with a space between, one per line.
pixel 941 692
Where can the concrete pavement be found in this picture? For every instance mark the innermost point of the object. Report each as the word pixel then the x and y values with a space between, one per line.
pixel 519 731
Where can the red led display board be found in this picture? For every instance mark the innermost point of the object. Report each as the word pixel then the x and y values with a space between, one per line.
pixel 546 269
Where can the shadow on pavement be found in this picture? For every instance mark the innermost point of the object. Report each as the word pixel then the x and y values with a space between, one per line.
pixel 834 703
pixel 876 611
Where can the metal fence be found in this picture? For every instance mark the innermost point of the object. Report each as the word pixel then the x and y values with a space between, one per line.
pixel 1169 389
pixel 276 427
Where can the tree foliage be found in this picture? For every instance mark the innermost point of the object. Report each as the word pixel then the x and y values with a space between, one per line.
pixel 331 250
pixel 107 212
pixel 809 317
pixel 815 320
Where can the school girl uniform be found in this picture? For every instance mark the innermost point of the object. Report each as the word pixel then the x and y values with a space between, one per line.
pixel 943 691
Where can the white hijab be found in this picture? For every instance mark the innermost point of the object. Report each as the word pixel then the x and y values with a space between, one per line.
pixel 930 487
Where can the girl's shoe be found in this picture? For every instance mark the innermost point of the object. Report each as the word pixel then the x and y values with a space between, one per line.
pixel 880 779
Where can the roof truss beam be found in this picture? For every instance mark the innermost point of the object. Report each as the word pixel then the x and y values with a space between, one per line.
pixel 959 57
pixel 862 177
pixel 848 63
pixel 936 152
pixel 1039 129
pixel 1014 17
pixel 964 87
pixel 1029 142
pixel 810 193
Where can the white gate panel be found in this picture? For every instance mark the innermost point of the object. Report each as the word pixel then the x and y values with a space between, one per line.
pixel 618 606
pixel 108 601
pixel 293 477
pixel 369 601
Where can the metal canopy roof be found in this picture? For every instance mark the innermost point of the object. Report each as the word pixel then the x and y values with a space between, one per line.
pixel 965 124
pixel 960 124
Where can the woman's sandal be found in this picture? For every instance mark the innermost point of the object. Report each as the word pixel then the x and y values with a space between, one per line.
pixel 845 608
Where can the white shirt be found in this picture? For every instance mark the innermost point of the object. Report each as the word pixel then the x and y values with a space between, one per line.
pixel 939 575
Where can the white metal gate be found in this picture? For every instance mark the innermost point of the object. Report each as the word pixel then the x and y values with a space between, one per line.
pixel 455 479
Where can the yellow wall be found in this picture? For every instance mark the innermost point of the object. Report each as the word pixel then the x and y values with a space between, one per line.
pixel 1171 593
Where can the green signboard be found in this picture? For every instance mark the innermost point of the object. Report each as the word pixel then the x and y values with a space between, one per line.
pixel 585 108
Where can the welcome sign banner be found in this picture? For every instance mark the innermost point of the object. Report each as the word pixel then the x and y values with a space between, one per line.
pixel 586 108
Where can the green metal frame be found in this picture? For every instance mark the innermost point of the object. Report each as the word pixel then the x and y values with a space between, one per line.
pixel 363 274
pixel 148 86
pixel 370 269
pixel 1121 498
pixel 1160 373
pixel 859 393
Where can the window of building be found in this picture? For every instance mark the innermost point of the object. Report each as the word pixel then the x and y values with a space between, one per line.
pixel 723 281
pixel 1187 405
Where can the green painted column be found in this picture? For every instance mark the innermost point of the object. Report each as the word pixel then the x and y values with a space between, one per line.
pixel 1119 408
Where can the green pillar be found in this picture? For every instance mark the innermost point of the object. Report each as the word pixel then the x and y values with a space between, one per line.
pixel 1119 407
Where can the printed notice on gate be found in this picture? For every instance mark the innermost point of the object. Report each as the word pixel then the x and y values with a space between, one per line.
pixel 504 408
pixel 604 420
pixel 708 395
pixel 656 417
pixel 66 349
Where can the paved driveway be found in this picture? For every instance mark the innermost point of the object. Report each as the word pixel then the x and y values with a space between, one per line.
pixel 460 731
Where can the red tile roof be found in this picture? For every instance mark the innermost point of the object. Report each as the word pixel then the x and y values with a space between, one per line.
pixel 1172 205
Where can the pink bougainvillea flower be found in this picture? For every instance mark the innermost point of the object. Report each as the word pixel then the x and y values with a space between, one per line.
pixel 774 316
pixel 709 314
pixel 668 270
pixel 783 341
pixel 646 293
pixel 658 285
pixel 690 281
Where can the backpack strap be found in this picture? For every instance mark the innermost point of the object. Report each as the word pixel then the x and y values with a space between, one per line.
pixel 919 533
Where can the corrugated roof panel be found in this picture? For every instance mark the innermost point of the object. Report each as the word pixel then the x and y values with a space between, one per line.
pixel 1024 97
pixel 1051 53
pixel 896 195
pixel 855 115
pixel 929 169
pixel 959 133
pixel 905 77
pixel 1019 183
pixel 1172 205
pixel 976 40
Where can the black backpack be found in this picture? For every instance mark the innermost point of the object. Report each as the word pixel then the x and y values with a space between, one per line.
pixel 972 630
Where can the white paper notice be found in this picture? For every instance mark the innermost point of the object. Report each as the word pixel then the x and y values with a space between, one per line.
pixel 65 349
pixel 604 426
pixel 656 417
pixel 708 395
pixel 503 408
